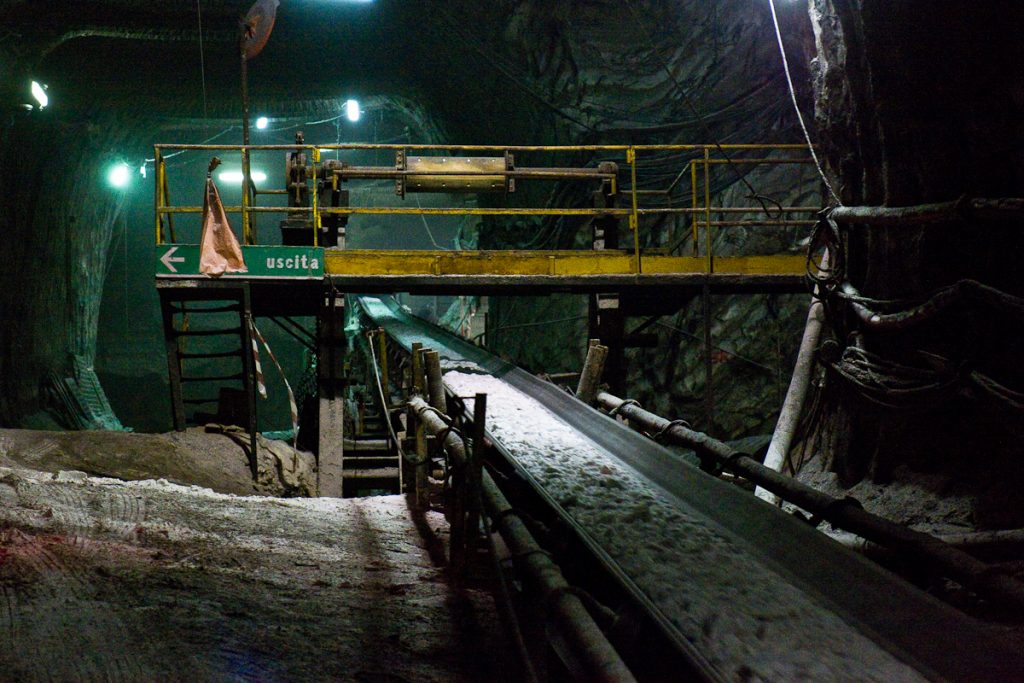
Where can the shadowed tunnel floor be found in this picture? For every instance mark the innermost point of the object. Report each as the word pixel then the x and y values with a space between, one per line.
pixel 106 580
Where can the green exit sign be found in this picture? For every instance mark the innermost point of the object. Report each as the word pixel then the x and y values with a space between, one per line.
pixel 263 262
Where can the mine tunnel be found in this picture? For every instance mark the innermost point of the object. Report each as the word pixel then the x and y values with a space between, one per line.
pixel 525 340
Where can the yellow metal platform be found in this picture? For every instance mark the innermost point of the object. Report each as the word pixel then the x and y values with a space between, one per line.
pixel 630 265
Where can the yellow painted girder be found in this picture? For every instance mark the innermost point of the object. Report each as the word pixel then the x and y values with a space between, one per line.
pixel 354 262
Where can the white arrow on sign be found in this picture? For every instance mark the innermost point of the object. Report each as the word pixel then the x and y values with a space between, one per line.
pixel 169 258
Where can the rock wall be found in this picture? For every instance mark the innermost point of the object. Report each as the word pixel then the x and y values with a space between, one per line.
pixel 915 104
pixel 57 225
pixel 681 72
pixel 513 72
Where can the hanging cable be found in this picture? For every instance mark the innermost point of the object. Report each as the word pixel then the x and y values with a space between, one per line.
pixel 384 401
pixel 426 227
pixel 796 107
pixel 202 55
pixel 754 194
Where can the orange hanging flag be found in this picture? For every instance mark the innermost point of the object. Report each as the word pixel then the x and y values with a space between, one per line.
pixel 219 252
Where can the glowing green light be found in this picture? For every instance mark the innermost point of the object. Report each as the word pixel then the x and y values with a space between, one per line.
pixel 235 177
pixel 262 122
pixel 352 110
pixel 119 175
pixel 39 92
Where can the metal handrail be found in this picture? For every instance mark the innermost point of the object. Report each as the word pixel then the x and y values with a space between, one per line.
pixel 701 211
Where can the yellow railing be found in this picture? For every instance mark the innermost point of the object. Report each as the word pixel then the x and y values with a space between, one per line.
pixel 698 167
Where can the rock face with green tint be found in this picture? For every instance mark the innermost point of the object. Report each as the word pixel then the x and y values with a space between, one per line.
pixel 510 72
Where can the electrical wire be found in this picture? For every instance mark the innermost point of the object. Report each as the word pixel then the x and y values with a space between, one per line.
pixel 754 194
pixel 384 404
pixel 426 227
pixel 732 354
pixel 521 83
pixel 796 107
pixel 202 54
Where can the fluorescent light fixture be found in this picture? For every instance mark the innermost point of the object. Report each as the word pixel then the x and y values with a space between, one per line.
pixel 119 175
pixel 352 110
pixel 261 122
pixel 39 93
pixel 236 177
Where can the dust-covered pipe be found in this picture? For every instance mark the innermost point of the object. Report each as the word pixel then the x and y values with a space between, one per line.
pixel 796 395
pixel 570 615
pixel 844 513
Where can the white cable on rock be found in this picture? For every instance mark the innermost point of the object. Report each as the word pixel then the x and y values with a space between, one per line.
pixel 796 107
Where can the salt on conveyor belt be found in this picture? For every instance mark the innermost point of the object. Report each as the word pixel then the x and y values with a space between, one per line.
pixel 747 619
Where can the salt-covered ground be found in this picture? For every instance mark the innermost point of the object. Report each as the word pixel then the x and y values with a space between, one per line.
pixel 107 580
pixel 747 619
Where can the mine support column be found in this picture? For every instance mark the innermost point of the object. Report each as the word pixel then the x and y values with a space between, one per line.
pixel 606 320
pixel 331 380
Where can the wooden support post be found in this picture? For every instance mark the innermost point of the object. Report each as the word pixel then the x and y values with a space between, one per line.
pixel 331 460
pixel 174 363
pixel 474 469
pixel 331 343
pixel 593 367
pixel 435 385
pixel 249 373
pixel 608 323
pixel 570 616
pixel 421 467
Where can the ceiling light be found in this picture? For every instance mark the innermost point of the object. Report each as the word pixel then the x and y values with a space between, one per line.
pixel 235 177
pixel 352 110
pixel 261 122
pixel 39 93
pixel 119 175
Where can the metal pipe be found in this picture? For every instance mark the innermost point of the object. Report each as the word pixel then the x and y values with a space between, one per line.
pixel 388 172
pixel 796 395
pixel 981 209
pixel 481 148
pixel 574 622
pixel 990 544
pixel 843 513
pixel 486 211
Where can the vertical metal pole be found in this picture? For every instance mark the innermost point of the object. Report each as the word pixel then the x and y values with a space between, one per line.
pixel 474 470
pixel 248 233
pixel 634 217
pixel 167 198
pixel 315 156
pixel 693 196
pixel 709 391
pixel 421 490
pixel 247 228
pixel 707 209
pixel 158 194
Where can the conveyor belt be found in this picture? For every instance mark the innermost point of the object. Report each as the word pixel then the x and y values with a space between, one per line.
pixel 937 641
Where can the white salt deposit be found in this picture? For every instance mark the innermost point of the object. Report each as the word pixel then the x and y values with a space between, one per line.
pixel 746 619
